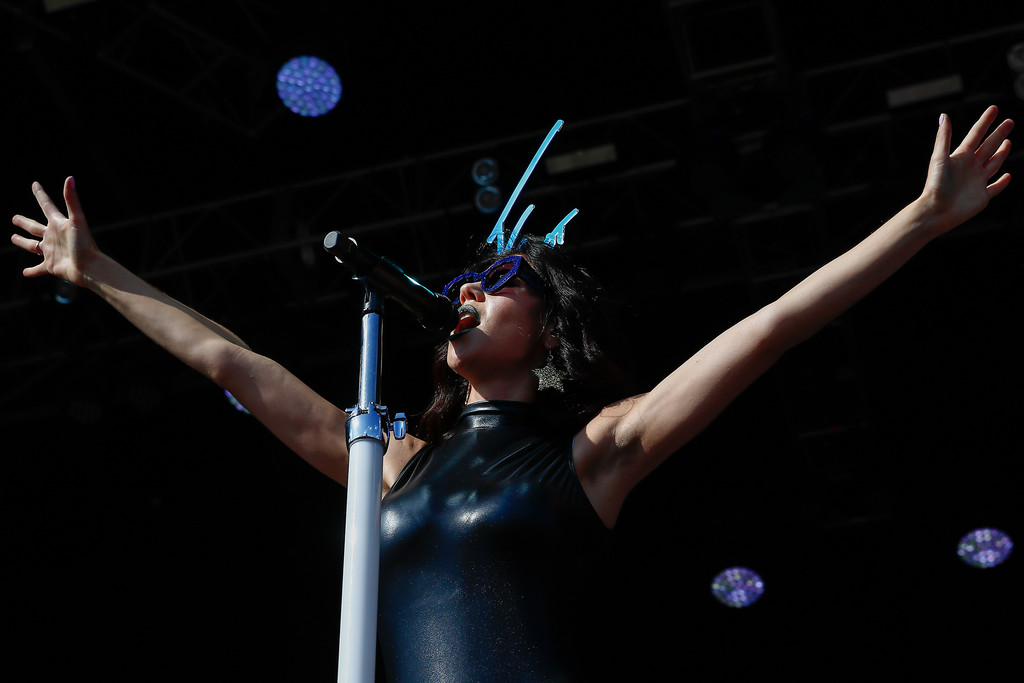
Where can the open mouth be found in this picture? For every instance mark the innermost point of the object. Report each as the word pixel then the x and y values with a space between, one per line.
pixel 468 319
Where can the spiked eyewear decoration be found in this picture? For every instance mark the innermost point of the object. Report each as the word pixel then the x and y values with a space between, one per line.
pixel 556 236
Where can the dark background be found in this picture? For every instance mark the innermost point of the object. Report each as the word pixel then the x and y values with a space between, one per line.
pixel 152 532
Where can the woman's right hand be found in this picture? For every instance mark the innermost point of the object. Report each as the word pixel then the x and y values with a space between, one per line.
pixel 64 242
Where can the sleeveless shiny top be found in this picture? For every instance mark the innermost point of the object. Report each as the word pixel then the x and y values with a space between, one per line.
pixel 488 550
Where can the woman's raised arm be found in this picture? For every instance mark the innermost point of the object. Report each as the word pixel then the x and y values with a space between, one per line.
pixel 307 423
pixel 628 440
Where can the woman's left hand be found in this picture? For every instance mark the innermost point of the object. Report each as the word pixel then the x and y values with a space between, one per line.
pixel 958 187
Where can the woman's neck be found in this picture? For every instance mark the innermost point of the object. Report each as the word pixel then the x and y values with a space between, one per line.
pixel 522 391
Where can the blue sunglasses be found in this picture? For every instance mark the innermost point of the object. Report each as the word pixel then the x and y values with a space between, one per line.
pixel 497 275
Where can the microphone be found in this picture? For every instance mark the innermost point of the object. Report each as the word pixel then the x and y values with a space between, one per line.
pixel 435 312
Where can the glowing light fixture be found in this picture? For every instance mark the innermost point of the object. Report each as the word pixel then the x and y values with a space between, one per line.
pixel 308 86
pixel 488 195
pixel 488 199
pixel 65 293
pixel 737 587
pixel 1015 58
pixel 984 548
pixel 485 171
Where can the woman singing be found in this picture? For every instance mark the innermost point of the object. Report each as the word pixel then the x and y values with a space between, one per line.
pixel 494 519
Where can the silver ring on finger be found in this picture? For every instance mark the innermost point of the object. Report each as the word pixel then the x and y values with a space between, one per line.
pixel 38 250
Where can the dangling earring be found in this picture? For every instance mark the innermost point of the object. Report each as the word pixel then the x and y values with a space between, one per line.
pixel 548 376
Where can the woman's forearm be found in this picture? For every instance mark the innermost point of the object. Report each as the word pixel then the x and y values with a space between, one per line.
pixel 836 286
pixel 186 334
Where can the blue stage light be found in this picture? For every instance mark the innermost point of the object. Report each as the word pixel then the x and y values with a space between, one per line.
pixel 737 587
pixel 485 172
pixel 488 199
pixel 984 548
pixel 308 86
pixel 65 293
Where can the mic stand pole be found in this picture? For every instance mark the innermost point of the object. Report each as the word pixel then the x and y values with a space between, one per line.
pixel 367 430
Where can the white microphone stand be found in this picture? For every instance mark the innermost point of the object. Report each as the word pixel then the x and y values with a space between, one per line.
pixel 367 432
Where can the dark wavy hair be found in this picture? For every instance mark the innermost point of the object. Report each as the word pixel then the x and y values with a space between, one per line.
pixel 576 311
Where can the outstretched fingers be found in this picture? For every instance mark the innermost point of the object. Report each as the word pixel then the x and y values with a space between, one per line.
pixel 36 270
pixel 30 226
pixel 1004 180
pixel 25 243
pixel 942 138
pixel 41 245
pixel 993 152
pixel 51 211
pixel 995 143
pixel 994 162
pixel 972 141
pixel 999 185
pixel 989 152
pixel 75 213
pixel 32 246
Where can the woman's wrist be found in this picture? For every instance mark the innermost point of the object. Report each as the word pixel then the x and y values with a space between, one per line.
pixel 96 269
pixel 924 219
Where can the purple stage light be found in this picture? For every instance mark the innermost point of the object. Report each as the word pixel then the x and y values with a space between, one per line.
pixel 737 587
pixel 984 548
pixel 308 86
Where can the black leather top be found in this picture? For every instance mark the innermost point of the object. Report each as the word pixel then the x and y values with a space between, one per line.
pixel 487 546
